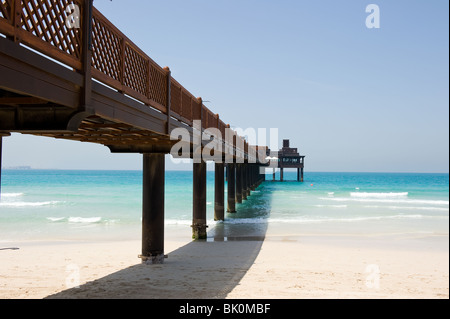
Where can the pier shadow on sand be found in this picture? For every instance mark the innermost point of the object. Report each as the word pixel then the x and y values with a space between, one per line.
pixel 205 269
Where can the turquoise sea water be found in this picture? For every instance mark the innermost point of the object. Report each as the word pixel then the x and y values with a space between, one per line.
pixel 54 204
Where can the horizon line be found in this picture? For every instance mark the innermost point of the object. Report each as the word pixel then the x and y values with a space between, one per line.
pixel 25 168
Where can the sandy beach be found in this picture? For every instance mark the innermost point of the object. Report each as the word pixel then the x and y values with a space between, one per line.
pixel 288 266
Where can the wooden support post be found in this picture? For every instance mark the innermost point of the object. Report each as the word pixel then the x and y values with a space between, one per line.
pixel 17 20
pixel 169 94
pixel 153 209
pixel 298 174
pixel 199 224
pixel 239 183
pixel 219 202
pixel 302 168
pixel 86 92
pixel 231 176
pixel 274 174
pixel 281 174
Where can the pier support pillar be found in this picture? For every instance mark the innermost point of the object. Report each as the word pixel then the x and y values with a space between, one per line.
pixel 301 175
pixel 244 182
pixel 199 202
pixel 281 174
pixel 274 175
pixel 219 202
pixel 231 177
pixel 247 181
pixel 239 181
pixel 250 180
pixel 153 209
pixel 298 174
pixel 254 178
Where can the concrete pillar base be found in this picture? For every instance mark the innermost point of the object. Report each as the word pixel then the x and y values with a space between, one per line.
pixel 153 260
pixel 199 231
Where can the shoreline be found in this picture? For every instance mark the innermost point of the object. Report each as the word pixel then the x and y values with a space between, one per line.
pixel 274 265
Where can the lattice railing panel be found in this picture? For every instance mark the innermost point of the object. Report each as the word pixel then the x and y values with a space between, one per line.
pixel 175 98
pixel 47 20
pixel 204 117
pixel 6 10
pixel 136 71
pixel 196 110
pixel 106 50
pixel 158 84
pixel 211 119
pixel 222 128
pixel 186 108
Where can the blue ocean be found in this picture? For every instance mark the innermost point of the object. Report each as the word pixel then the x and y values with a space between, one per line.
pixel 66 205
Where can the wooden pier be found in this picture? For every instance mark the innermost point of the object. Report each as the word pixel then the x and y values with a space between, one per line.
pixel 93 84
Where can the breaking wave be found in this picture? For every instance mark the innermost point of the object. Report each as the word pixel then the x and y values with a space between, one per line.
pixel 29 204
pixel 383 200
pixel 379 195
pixel 11 195
pixel 85 220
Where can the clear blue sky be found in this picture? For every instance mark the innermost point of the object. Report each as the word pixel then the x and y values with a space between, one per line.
pixel 350 98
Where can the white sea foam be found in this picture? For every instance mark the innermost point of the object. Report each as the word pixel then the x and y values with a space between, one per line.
pixel 10 195
pixel 331 206
pixel 82 220
pixel 320 220
pixel 356 219
pixel 379 195
pixel 381 200
pixel 85 220
pixel 112 221
pixel 443 209
pixel 56 219
pixel 28 204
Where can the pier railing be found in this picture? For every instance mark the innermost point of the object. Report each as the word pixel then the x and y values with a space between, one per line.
pixel 89 43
